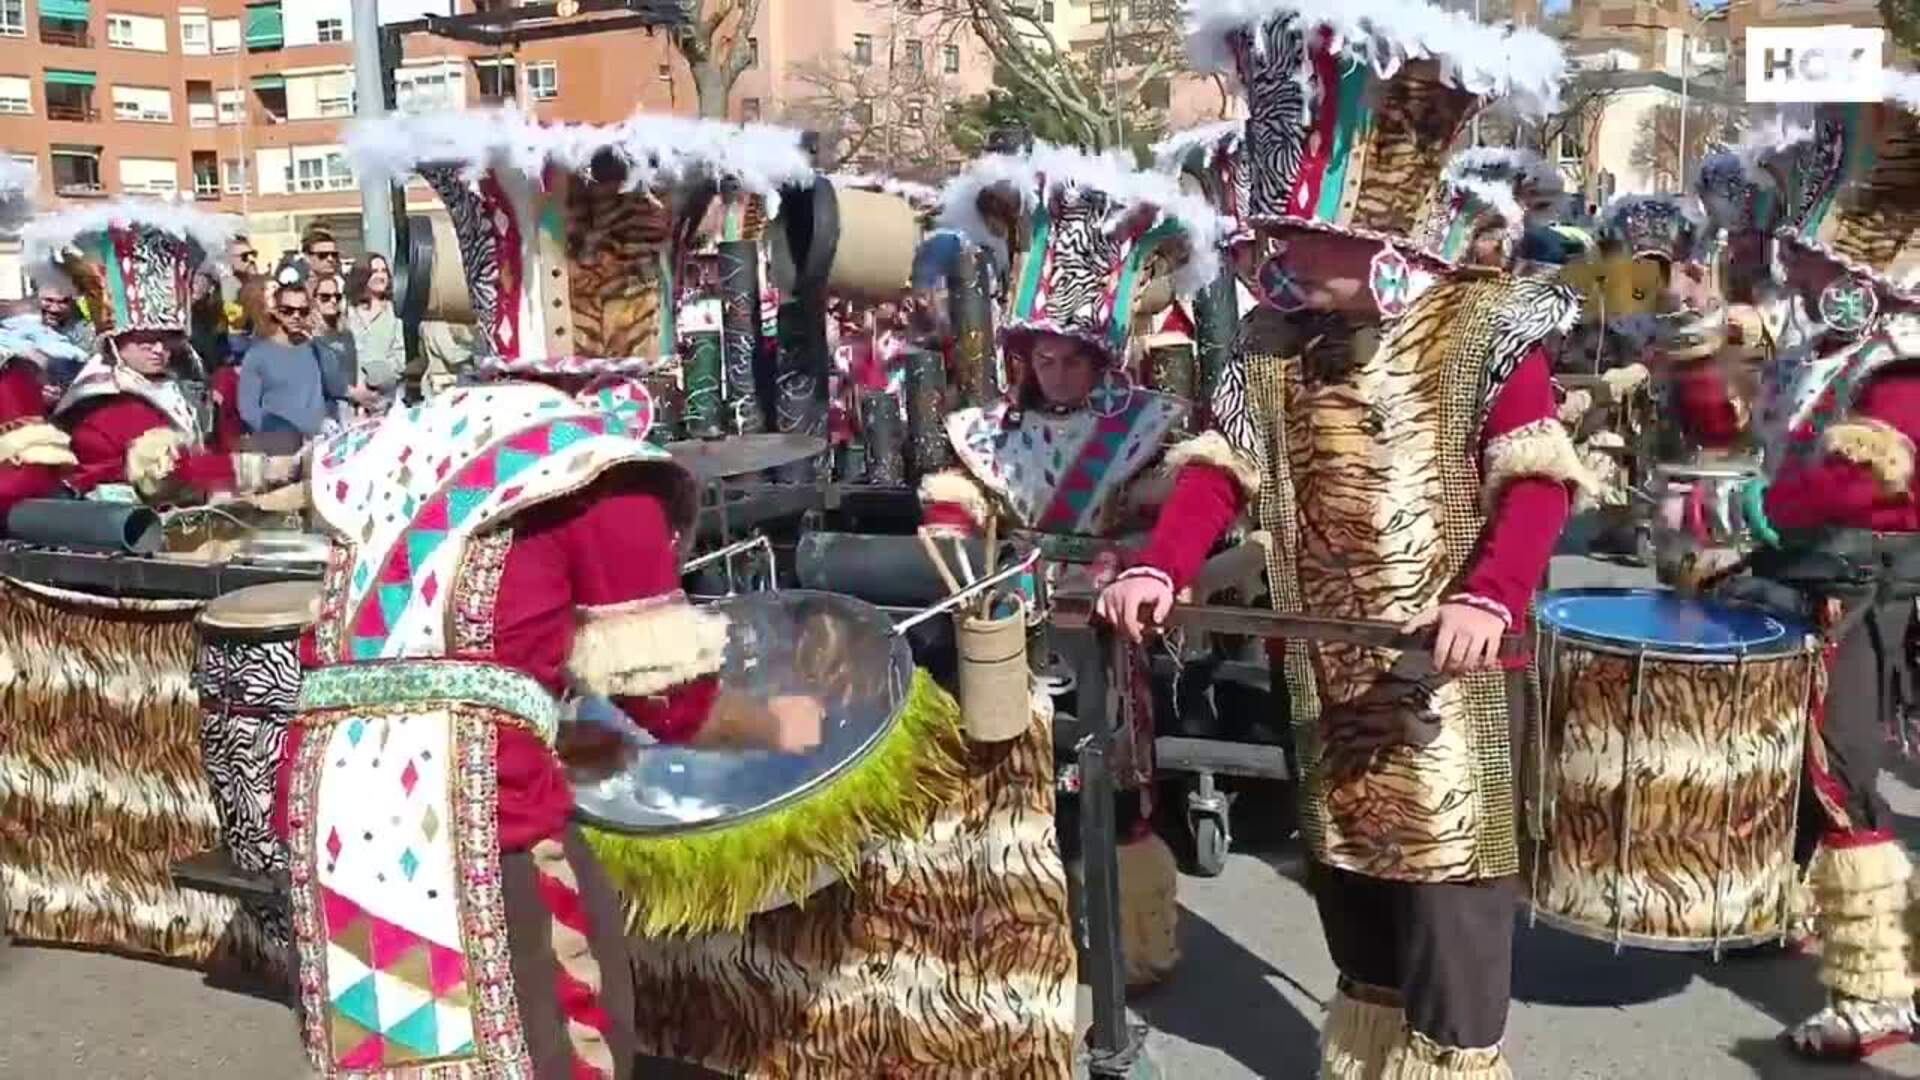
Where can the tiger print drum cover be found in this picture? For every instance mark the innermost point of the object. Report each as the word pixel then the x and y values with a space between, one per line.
pixel 573 237
pixel 1663 785
pixel 132 260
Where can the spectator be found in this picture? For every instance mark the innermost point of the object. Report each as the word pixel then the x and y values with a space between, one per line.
pixel 281 391
pixel 339 362
pixel 322 253
pixel 63 313
pixel 207 322
pixel 243 265
pixel 378 341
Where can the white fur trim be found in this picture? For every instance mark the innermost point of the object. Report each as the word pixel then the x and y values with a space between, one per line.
pixel 36 443
pixel 1491 61
pixel 1622 381
pixel 1541 449
pixel 47 238
pixel 645 647
pixel 659 151
pixel 1879 447
pixel 1065 169
pixel 152 458
pixel 1902 88
pixel 953 487
pixel 1170 154
pixel 1212 448
pixel 1527 169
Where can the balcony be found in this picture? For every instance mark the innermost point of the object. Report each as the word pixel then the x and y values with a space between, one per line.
pixel 81 189
pixel 72 35
pixel 78 113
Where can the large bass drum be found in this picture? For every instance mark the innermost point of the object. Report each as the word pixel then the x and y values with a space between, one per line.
pixel 701 840
pixel 1663 768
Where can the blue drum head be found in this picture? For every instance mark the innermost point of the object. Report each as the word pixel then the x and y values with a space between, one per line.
pixel 1662 620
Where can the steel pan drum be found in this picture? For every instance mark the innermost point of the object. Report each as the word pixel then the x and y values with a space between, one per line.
pixel 1663 767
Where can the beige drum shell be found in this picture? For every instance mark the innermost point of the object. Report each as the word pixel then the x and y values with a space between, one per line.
pixel 879 233
pixel 448 299
pixel 1672 829
pixel 261 610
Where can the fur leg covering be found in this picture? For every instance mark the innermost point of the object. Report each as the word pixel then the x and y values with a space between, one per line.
pixel 1149 909
pixel 1861 900
pixel 1364 1024
pixel 1417 1057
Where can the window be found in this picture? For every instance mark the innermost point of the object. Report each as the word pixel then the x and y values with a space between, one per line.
pixel 666 73
pixel 233 175
pixel 206 174
pixel 13 18
pixel 69 95
pixel 1157 94
pixel 914 112
pixel 543 80
pixel 16 94
pixel 231 106
pixel 750 109
pixel 147 104
pixel 266 26
pixel 76 170
pixel 753 52
pixel 332 96
pixel 915 57
pixel 321 169
pixel 273 171
pixel 950 59
pixel 195 35
pixel 497 79
pixel 1046 10
pixel 200 108
pixel 328 31
pixel 159 176
pixel 226 35
pixel 863 112
pixel 144 32
pixel 71 33
pixel 863 48
pixel 428 89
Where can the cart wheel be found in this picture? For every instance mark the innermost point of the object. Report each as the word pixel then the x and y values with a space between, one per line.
pixel 1209 846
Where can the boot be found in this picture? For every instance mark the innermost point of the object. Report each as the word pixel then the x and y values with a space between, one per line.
pixel 1364 1023
pixel 1861 901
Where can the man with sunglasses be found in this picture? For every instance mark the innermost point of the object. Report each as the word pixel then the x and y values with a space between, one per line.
pixel 283 382
pixel 323 254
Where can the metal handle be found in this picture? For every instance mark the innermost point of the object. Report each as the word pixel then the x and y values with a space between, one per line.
pixel 728 553
pixel 967 593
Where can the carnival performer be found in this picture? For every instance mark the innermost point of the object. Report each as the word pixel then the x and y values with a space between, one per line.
pixel 136 427
pixel 1391 418
pixel 32 451
pixel 1843 419
pixel 1063 451
pixel 508 543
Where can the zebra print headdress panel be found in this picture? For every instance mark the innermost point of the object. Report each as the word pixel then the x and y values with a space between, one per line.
pixel 1213 157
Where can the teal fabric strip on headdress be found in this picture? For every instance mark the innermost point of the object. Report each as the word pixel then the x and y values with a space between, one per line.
pixel 1030 273
pixel 109 258
pixel 1120 320
pixel 1352 125
pixel 1858 150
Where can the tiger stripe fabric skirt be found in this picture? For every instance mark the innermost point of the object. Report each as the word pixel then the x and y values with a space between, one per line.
pixel 948 955
pixel 102 787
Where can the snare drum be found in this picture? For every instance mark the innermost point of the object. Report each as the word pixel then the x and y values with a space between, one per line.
pixel 1662 768
pixel 247 675
pixel 1698 525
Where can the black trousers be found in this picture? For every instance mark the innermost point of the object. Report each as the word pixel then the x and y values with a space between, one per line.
pixel 1447 949
pixel 1869 682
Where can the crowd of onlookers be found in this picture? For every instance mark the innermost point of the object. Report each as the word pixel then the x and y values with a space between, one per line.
pixel 283 354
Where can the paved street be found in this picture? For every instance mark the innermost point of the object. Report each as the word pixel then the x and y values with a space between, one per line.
pixel 1245 1003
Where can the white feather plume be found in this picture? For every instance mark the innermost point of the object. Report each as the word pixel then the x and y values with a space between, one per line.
pixel 1067 169
pixel 1494 62
pixel 1495 196
pixel 1902 88
pixel 1170 153
pixel 658 151
pixel 918 194
pixel 1491 161
pixel 47 238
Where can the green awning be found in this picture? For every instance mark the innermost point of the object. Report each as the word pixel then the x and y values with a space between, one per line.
pixel 58 77
pixel 269 82
pixel 265 28
pixel 74 10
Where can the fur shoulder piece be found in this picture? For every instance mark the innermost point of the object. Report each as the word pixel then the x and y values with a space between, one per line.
pixel 36 443
pixel 1881 448
pixel 152 459
pixel 1212 448
pixel 645 646
pixel 953 487
pixel 1540 449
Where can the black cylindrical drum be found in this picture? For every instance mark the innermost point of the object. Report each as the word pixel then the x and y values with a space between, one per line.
pixel 886 432
pixel 740 336
pixel 927 448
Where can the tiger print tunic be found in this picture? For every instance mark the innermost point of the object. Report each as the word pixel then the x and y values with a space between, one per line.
pixel 1373 476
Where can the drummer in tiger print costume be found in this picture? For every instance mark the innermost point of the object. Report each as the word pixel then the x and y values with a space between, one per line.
pixel 1840 418
pixel 1391 420
pixel 1068 450
pixel 509 543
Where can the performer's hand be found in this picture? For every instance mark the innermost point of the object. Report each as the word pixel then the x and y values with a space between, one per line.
pixel 795 723
pixel 1136 604
pixel 1468 638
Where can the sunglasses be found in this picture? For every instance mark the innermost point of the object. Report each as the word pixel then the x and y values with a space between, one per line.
pixel 327 297
pixel 293 311
pixel 246 256
pixel 324 254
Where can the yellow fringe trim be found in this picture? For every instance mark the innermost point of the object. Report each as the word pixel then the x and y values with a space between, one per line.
pixel 956 488
pixel 1878 932
pixel 1884 450
pixel 37 443
pixel 1542 449
pixel 152 458
pixel 1622 381
pixel 1839 872
pixel 1420 1058
pixel 1212 448
pixel 1149 910
pixel 1881 985
pixel 646 648
pixel 1357 1037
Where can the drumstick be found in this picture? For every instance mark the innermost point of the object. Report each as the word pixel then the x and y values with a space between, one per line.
pixel 966 564
pixel 993 557
pixel 939 564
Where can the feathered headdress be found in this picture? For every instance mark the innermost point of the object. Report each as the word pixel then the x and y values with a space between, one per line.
pixel 132 260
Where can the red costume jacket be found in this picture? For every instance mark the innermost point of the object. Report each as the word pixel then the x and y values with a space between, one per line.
pixel 1704 405
pixel 1863 475
pixel 23 416
pixel 610 544
pixel 104 429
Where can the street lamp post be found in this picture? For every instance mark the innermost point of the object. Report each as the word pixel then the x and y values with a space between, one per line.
pixel 1683 110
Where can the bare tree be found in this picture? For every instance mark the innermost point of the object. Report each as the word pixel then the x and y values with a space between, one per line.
pixel 886 114
pixel 717 44
pixel 1569 137
pixel 1657 147
pixel 1102 88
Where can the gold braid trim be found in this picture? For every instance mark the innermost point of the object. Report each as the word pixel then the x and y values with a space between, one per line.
pixel 1883 449
pixel 956 488
pixel 36 443
pixel 1540 448
pixel 1212 448
pixel 645 647
pixel 574 954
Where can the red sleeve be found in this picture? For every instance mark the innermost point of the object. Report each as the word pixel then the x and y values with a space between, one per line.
pixel 1704 404
pixel 228 428
pixel 19 483
pixel 1205 500
pixel 1529 512
pixel 946 515
pixel 1823 490
pixel 22 391
pixel 103 433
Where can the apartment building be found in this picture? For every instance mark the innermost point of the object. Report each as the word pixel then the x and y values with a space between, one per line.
pixel 237 105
